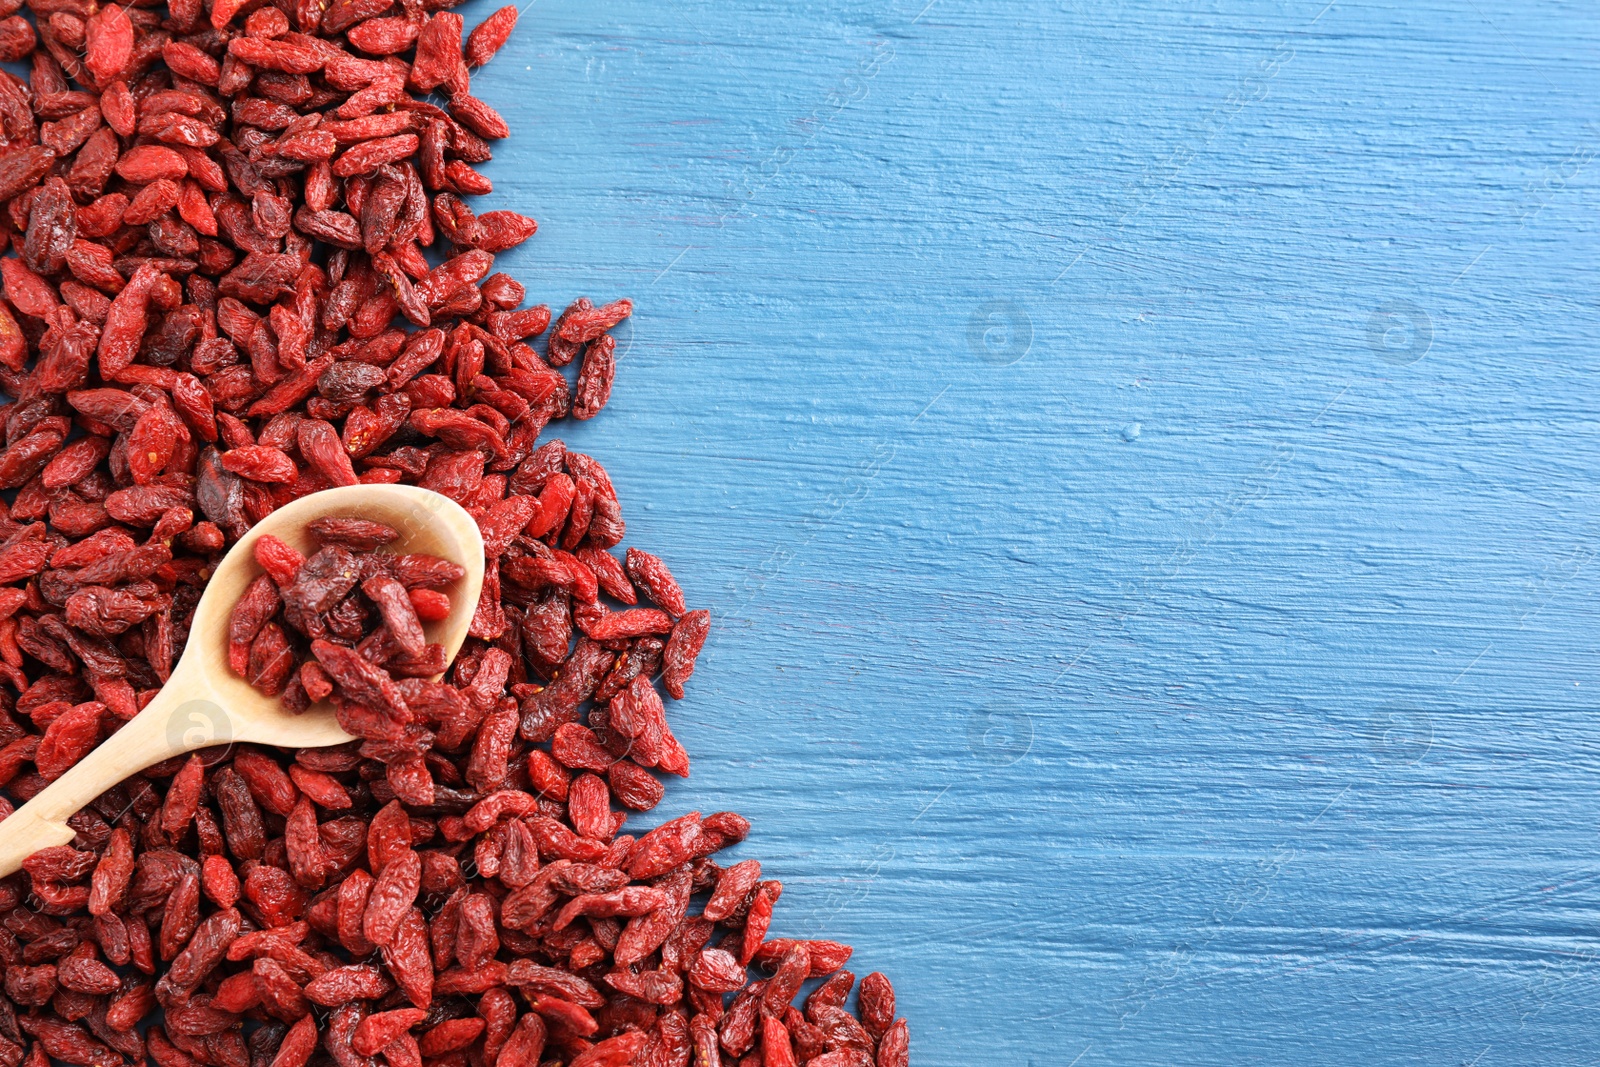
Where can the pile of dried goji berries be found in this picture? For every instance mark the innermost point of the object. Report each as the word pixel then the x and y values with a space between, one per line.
pixel 218 297
pixel 358 641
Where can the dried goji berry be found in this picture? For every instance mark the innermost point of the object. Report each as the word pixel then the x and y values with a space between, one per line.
pixel 226 221
pixel 683 647
pixel 487 37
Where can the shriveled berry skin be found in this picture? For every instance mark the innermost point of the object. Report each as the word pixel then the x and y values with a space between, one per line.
pixel 683 648
pixel 489 35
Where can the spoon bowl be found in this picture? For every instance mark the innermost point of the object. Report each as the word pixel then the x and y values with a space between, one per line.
pixel 204 703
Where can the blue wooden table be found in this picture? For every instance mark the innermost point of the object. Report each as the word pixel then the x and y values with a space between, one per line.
pixel 1141 458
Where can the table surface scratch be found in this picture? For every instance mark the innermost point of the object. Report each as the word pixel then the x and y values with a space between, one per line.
pixel 1141 458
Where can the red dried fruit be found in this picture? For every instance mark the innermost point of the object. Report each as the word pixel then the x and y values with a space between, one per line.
pixel 112 874
pixel 489 35
pixel 683 647
pixel 68 739
pixel 613 1051
pixel 376 1031
pixel 81 972
pixel 451 1036
pixel 526 1043
pixel 219 882
pixel 580 324
pixel 297 1045
pixel 398 612
pixel 108 42
pixel 776 1049
pixel 651 575
pixel 826 956
pixel 429 604
pixel 260 463
pixel 358 535
pixel 733 886
pixel 226 221
pixel 595 378
pixel 183 798
pixel 894 1050
pixel 876 1002
pixel 633 786
pixel 716 971
pixel 391 896
pixel 252 611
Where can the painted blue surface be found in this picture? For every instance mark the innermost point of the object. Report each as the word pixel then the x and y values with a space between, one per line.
pixel 1192 657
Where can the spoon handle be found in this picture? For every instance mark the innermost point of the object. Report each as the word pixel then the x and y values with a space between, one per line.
pixel 176 721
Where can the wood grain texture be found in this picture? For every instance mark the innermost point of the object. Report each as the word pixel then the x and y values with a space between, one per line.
pixel 1192 657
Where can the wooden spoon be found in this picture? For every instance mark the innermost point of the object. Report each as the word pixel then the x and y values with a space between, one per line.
pixel 204 703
